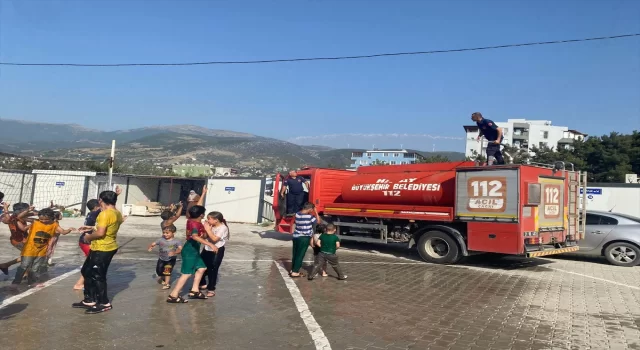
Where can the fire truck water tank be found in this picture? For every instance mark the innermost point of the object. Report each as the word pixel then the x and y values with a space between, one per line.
pixel 424 188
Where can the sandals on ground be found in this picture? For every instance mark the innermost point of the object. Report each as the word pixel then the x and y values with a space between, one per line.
pixel 197 295
pixel 176 300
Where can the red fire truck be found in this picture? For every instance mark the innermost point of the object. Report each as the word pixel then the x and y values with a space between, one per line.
pixel 449 210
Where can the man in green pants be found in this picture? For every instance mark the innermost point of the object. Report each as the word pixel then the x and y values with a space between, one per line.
pixel 302 231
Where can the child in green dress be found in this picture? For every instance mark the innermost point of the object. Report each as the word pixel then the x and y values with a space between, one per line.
pixel 192 263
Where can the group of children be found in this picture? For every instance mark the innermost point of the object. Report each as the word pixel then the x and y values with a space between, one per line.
pixel 35 238
pixel 211 235
pixel 35 233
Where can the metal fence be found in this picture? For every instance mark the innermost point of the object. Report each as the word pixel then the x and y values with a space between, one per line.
pixel 17 186
pixel 42 188
pixel 267 209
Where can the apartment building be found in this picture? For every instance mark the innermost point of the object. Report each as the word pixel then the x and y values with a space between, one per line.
pixel 193 170
pixel 388 156
pixel 203 170
pixel 522 133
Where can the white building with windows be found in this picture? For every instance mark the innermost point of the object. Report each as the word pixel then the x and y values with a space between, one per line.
pixel 388 156
pixel 522 133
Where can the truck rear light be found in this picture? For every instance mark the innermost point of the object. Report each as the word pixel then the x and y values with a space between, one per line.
pixel 533 240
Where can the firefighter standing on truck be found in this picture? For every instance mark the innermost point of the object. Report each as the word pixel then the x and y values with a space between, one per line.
pixel 295 195
pixel 493 134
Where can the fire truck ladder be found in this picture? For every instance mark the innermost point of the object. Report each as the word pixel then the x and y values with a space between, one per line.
pixel 577 205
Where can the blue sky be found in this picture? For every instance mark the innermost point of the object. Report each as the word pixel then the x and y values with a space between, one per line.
pixel 593 87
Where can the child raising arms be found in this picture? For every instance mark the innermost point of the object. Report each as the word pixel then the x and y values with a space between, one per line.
pixel 18 223
pixel 192 263
pixel 171 215
pixel 34 253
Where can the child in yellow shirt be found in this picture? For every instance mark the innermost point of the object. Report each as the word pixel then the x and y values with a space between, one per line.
pixel 34 254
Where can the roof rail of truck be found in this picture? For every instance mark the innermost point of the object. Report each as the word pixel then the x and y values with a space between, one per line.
pixel 559 165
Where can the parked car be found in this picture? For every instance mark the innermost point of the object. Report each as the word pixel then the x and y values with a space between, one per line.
pixel 612 235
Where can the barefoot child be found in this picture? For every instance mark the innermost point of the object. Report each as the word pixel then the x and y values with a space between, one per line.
pixel 328 242
pixel 34 253
pixel 169 248
pixel 192 263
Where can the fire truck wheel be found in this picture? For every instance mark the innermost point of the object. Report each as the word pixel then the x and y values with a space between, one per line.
pixel 622 254
pixel 438 247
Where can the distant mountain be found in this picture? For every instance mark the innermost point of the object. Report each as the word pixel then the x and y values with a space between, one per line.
pixel 18 135
pixel 164 146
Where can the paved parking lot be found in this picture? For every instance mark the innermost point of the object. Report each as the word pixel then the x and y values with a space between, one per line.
pixel 390 301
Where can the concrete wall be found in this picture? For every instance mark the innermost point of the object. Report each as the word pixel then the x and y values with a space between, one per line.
pixel 137 190
pixel 145 189
pixel 238 199
pixel 169 192
pixel 142 190
pixel 619 198
pixel 100 183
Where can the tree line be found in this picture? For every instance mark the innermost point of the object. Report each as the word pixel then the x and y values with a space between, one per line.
pixel 606 158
